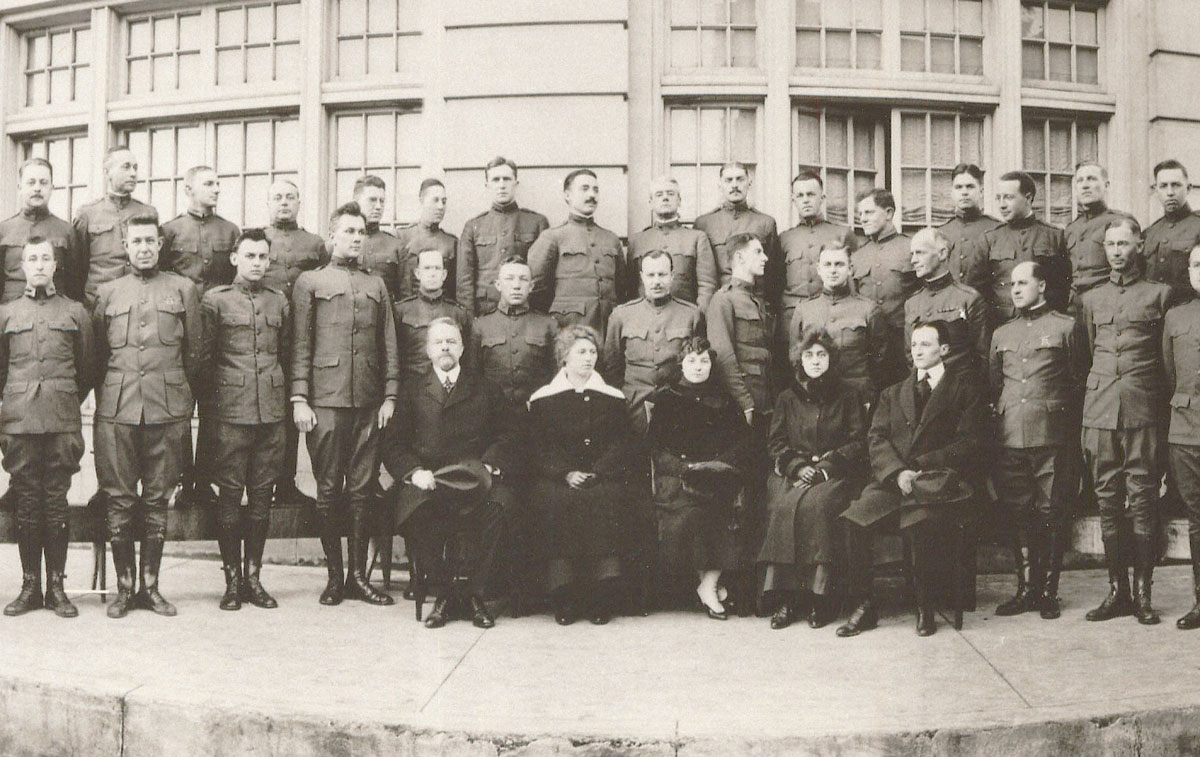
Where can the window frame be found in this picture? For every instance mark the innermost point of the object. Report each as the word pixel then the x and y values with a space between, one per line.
pixel 853 30
pixel 246 45
pixel 850 111
pixel 76 186
pixel 24 38
pixel 398 220
pixel 898 166
pixel 928 35
pixel 729 27
pixel 1045 176
pixel 400 34
pixel 1100 7
pixel 697 105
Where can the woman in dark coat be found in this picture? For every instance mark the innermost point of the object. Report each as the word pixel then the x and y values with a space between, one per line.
pixel 582 439
pixel 818 442
pixel 698 441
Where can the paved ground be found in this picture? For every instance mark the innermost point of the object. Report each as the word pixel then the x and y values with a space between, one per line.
pixel 306 679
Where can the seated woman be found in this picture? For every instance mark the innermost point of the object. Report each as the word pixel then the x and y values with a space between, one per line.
pixel 818 441
pixel 698 441
pixel 582 439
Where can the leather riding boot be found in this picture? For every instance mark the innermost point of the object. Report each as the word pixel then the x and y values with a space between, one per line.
pixel 29 544
pixel 1055 535
pixel 357 586
pixel 252 588
pixel 149 596
pixel 1143 577
pixel 55 545
pixel 331 542
pixel 1118 602
pixel 230 545
pixel 125 564
pixel 1023 560
pixel 1192 619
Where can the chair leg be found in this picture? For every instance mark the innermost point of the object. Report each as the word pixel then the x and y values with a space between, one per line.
pixel 960 539
pixel 384 553
pixel 100 568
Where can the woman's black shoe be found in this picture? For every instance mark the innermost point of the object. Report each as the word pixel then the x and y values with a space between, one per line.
pixel 823 612
pixel 782 617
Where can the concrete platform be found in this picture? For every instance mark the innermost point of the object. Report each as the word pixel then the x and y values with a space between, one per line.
pixel 357 680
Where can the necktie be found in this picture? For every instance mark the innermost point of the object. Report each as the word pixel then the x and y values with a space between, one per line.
pixel 448 385
pixel 923 392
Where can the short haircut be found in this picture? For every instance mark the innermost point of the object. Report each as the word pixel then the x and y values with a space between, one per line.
pixel 1170 164
pixel 190 175
pixel 114 150
pixel 444 320
pixel 1128 222
pixel 737 243
pixel 697 345
pixel 1025 183
pixel 1086 163
pixel 933 235
pixel 731 165
pixel 345 209
pixel 833 248
pixel 289 182
pixel 368 180
pixel 881 197
pixel 1037 269
pixel 569 335
pixel 512 260
pixel 35 162
pixel 142 219
pixel 34 240
pixel 498 161
pixel 813 335
pixel 972 170
pixel 808 174
pixel 655 254
pixel 251 234
pixel 428 184
pixel 941 327
pixel 576 173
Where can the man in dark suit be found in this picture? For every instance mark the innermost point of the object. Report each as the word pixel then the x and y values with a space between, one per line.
pixel 451 417
pixel 925 430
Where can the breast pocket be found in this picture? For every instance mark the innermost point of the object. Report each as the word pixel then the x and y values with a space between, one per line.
pixel 117 318
pixel 270 336
pixel 328 306
pixel 637 345
pixel 62 343
pixel 748 326
pixel 20 336
pixel 849 332
pixel 573 263
pixel 170 320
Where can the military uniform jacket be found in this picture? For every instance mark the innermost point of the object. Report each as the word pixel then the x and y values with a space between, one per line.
pixel 247 332
pixel 293 251
pixel 1123 318
pixel 1165 248
pixel 883 273
pixel 963 310
pixel 740 329
pixel 801 246
pixel 729 219
pixel 198 247
pixel 1181 362
pixel 344 351
pixel 514 348
pixel 487 239
pixel 381 257
pixel 576 267
pixel 1036 369
pixel 967 258
pixel 413 315
pixel 416 239
pixel 148 335
pixel 1009 244
pixel 1085 243
pixel 694 267
pixel 98 239
pixel 46 360
pixel 16 231
pixel 858 330
pixel 641 349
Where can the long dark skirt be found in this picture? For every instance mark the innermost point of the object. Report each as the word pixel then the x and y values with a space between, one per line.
pixel 696 537
pixel 569 523
pixel 802 523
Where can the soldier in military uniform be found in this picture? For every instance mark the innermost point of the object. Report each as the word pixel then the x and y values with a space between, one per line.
pixel 883 274
pixel 1036 367
pixel 736 216
pixel 503 231
pixel 1021 239
pixel 1181 361
pixel 695 267
pixel 246 341
pixel 148 333
pixel 1124 318
pixel 964 230
pixel 513 344
pixel 577 265
pixel 1169 240
pixel 1085 234
pixel 46 359
pixel 345 377
pixel 427 234
pixel 645 336
pixel 855 324
pixel 293 251
pixel 98 227
pixel 801 245
pixel 942 298
pixel 35 184
pixel 381 251
pixel 414 314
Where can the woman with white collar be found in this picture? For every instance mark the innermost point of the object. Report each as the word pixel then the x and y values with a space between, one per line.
pixel 582 440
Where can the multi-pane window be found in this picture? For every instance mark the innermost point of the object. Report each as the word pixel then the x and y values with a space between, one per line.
pixel 942 36
pixel 69 155
pixel 162 52
pixel 713 33
pixel 839 33
pixel 376 37
pixel 1052 148
pixel 1060 41
pixel 57 65
pixel 931 144
pixel 386 144
pixel 164 154
pixel 847 148
pixel 258 43
pixel 703 138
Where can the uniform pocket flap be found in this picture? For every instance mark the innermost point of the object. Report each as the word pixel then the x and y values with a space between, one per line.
pixel 16 327
pixel 569 307
pixel 235 319
pixel 100 227
pixel 326 294
pixel 491 340
pixel 537 339
pixel 170 305
pixel 374 294
pixel 1181 400
pixel 64 326
pixel 326 361
pixel 1093 382
pixel 678 333
pixel 635 332
pixel 753 369
pixel 1103 317
pixel 277 377
pixel 175 377
pixel 117 308
pixel 232 379
pixel 746 311
pixel 275 319
pixel 485 241
pixel 16 386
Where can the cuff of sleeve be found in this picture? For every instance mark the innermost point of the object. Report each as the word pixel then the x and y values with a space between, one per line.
pixel 296 398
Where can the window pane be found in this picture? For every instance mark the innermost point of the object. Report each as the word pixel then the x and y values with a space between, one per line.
pixel 83 82
pixel 164 34
pixel 1060 63
pixel 712 12
pixel 229 27
pixel 164 73
pixel 970 17
pixel 838 14
pixel 970 141
pixel 287 21
pixel 1061 203
pixel 837 49
pixel 808 12
pixel 381 15
pixel 1085 27
pixel 864 144
pixel 139 76
pixel 60 86
pixel 229 66
pixel 808 49
pixel 229 204
pixel 683 49
pixel 744 138
pixel 912 134
pixel 289 147
pixel 836 193
pixel 162 153
pixel 741 11
pixel 349 141
pixel 686 176
pixel 408 53
pixel 970 56
pixel 83 45
pixel 868 14
pixel 190 69
pixel 1058 24
pixel 1088 139
pixel 743 48
pixel 253 190
pixel 941 16
pixel 941 55
pixel 912 53
pixel 258 64
pixel 352 16
pixel 683 135
pixel 1087 65
pixel 351 61
pixel 381 139
pixel 1033 146
pixel 230 150
pixel 190 151
pixel 942 202
pixel 836 149
pixel 57 152
pixel 259 23
pixel 683 13
pixel 941 141
pixel 808 139
pixel 139 38
pixel 35 89
pixel 259 146
pixel 1060 147
pixel 709 191
pixel 712 48
pixel 712 135
pixel 1032 63
pixel 912 16
pixel 912 199
pixel 1031 22
pixel 61 49
pixel 869 55
pixel 189 32
pixel 408 138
